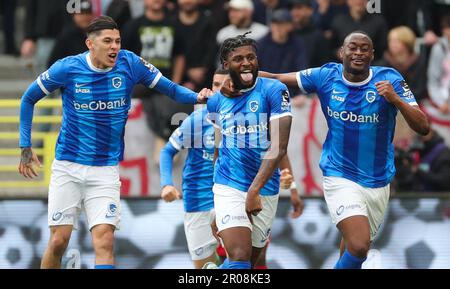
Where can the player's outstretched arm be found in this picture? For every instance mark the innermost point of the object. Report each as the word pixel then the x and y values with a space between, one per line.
pixel 279 135
pixel 290 78
pixel 415 118
pixel 168 192
pixel 180 93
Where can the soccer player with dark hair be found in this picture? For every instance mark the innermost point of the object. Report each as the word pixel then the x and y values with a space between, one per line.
pixel 96 87
pixel 360 103
pixel 255 127
pixel 197 135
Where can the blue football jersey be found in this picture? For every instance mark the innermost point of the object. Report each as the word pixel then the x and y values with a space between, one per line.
pixel 244 125
pixel 361 123
pixel 197 135
pixel 95 105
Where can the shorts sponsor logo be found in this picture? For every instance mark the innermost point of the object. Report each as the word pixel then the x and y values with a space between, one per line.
pixel 198 251
pixel 225 219
pixel 57 216
pixel 340 210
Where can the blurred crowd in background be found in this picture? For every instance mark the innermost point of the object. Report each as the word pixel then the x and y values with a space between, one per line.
pixel 182 38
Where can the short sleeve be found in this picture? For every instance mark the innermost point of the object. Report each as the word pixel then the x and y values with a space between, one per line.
pixel 144 72
pixel 54 77
pixel 402 88
pixel 308 80
pixel 182 137
pixel 279 101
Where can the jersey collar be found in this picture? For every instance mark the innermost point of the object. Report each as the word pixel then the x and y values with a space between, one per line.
pixel 250 88
pixel 91 65
pixel 365 81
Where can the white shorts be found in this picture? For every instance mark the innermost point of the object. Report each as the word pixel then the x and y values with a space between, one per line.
pixel 346 198
pixel 201 241
pixel 229 204
pixel 74 186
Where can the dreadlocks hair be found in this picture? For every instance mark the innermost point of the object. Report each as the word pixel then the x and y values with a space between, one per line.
pixel 232 43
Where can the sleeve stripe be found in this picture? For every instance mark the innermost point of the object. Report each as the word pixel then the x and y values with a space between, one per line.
pixel 299 82
pixel 155 81
pixel 175 144
pixel 288 113
pixel 39 82
pixel 413 103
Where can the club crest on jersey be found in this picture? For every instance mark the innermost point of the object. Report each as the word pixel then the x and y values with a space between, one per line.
pixel 117 82
pixel 253 105
pixel 371 96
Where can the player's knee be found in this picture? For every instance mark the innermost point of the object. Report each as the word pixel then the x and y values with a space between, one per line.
pixel 104 241
pixel 58 243
pixel 239 254
pixel 358 248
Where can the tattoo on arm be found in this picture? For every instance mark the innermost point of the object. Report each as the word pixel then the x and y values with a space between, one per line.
pixel 26 156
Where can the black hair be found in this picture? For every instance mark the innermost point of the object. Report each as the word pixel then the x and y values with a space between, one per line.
pixel 101 23
pixel 221 71
pixel 232 43
pixel 358 32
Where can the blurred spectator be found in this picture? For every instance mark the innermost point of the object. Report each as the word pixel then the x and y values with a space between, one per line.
pixel 136 8
pixel 71 41
pixel 196 37
pixel 433 172
pixel 44 21
pixel 440 8
pixel 281 50
pixel 358 19
pixel 439 69
pixel 416 14
pixel 326 10
pixel 153 37
pixel 240 15
pixel 8 9
pixel 264 9
pixel 426 168
pixel 316 46
pixel 402 56
pixel 119 10
pixel 215 9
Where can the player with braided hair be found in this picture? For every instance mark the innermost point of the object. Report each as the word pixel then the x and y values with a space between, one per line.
pixel 254 126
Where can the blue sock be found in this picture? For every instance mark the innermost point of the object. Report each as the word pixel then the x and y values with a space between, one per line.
pixel 348 261
pixel 227 264
pixel 104 267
